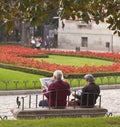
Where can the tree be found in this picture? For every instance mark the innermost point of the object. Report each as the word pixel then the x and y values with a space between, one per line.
pixel 34 12
pixel 94 10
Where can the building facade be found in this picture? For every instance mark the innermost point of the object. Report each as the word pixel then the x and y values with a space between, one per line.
pixel 78 34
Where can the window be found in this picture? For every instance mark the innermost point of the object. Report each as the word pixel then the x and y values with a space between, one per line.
pixel 84 42
pixel 107 44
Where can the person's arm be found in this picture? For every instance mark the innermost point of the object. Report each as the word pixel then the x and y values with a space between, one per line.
pixel 78 96
pixel 85 89
pixel 50 88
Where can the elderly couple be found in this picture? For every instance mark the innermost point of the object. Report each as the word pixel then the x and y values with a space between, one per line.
pixel 59 89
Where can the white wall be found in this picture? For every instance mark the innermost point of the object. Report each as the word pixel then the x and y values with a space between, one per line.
pixel 70 36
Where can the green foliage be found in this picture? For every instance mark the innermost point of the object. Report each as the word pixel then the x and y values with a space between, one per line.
pixel 97 10
pixel 36 11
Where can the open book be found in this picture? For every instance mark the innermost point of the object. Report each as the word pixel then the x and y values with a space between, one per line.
pixel 46 82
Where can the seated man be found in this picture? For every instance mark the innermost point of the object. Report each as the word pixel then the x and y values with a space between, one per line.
pixel 45 82
pixel 89 93
pixel 57 92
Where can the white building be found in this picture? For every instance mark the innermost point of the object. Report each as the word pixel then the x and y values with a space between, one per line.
pixel 87 37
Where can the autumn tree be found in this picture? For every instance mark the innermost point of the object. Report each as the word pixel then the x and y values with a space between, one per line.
pixel 34 12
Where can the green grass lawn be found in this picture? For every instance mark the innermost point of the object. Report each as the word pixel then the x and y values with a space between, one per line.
pixel 13 76
pixel 76 61
pixel 6 74
pixel 64 122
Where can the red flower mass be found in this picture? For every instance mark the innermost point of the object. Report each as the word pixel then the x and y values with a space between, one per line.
pixel 17 55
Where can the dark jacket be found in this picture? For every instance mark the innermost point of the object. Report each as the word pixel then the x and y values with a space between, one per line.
pixel 89 95
pixel 57 94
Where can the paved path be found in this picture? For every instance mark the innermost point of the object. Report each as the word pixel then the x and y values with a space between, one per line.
pixel 110 101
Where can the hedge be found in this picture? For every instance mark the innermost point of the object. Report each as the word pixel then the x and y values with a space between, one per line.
pixel 102 74
pixel 49 74
pixel 27 70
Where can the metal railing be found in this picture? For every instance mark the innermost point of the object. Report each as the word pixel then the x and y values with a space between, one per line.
pixel 3 117
pixel 18 84
pixel 32 101
pixel 99 80
pixel 58 96
pixel 35 84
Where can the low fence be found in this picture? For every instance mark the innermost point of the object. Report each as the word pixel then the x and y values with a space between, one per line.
pixel 3 117
pixel 32 101
pixel 18 84
pixel 31 110
pixel 35 84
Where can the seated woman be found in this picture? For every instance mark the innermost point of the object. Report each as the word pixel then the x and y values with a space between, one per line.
pixel 89 93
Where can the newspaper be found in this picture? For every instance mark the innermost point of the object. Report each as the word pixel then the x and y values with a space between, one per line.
pixel 46 82
pixel 78 93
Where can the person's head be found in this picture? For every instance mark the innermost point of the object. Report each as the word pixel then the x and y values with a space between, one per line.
pixel 89 78
pixel 32 37
pixel 58 75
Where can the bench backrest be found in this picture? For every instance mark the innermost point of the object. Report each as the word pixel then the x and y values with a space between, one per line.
pixel 58 98
pixel 88 99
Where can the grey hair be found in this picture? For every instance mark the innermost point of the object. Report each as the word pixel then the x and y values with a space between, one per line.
pixel 89 77
pixel 58 74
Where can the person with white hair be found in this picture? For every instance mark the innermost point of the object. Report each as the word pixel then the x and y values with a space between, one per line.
pixel 89 93
pixel 47 81
pixel 57 91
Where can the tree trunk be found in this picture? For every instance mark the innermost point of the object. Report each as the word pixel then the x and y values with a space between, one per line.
pixel 25 35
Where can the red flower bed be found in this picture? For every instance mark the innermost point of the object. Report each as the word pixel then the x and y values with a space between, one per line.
pixel 20 51
pixel 104 55
pixel 14 55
